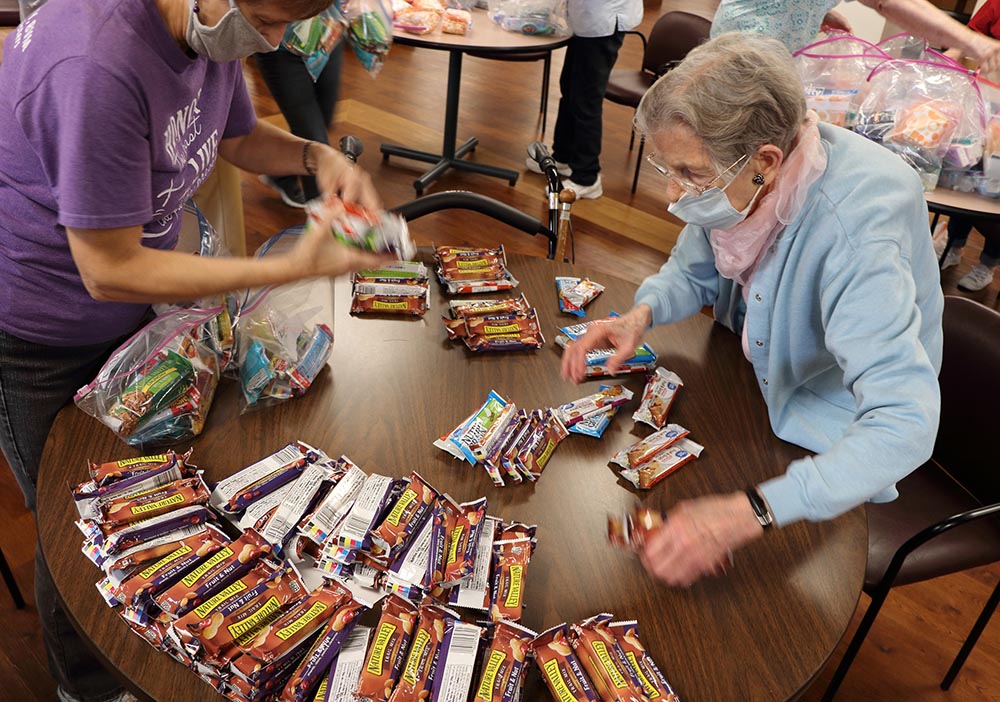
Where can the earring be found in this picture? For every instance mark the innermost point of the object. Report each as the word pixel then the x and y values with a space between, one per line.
pixel 758 179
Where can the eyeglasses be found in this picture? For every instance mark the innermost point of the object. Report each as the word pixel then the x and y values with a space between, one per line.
pixel 686 185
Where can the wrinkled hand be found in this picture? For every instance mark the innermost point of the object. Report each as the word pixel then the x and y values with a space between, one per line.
pixel 317 253
pixel 336 174
pixel 623 334
pixel 986 51
pixel 698 538
pixel 835 21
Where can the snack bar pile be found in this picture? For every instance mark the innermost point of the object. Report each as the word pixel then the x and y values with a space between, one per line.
pixel 426 16
pixel 395 288
pixel 599 659
pixel 369 230
pixel 643 361
pixel 510 444
pixel 576 293
pixel 494 325
pixel 464 270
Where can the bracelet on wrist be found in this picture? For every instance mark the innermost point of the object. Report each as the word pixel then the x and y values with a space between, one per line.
pixel 310 170
pixel 760 509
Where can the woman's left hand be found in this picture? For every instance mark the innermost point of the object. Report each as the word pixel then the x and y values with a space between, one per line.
pixel 699 537
pixel 336 174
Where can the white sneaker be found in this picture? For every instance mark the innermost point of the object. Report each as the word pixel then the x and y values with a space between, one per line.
pixel 940 238
pixel 585 192
pixel 975 280
pixel 532 165
pixel 953 258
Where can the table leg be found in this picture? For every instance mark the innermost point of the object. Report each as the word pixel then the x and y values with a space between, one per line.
pixel 450 157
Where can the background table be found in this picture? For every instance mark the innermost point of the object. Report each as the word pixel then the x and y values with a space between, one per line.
pixel 486 36
pixel 943 201
pixel 760 633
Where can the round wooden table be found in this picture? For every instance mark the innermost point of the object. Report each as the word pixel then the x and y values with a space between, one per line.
pixel 485 37
pixel 760 633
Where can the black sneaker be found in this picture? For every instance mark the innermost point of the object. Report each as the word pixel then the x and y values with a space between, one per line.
pixel 291 195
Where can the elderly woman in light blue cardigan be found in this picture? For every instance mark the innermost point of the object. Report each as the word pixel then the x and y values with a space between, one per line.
pixel 812 244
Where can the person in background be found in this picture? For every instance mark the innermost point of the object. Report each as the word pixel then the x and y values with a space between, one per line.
pixel 986 21
pixel 598 27
pixel 797 22
pixel 794 227
pixel 112 115
pixel 306 97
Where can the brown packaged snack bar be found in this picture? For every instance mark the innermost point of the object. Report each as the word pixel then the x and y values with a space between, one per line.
pixel 463 529
pixel 389 304
pixel 421 662
pixel 460 263
pixel 604 662
pixel 560 667
pixel 408 514
pixel 510 566
pixel 293 627
pixel 262 572
pixel 644 668
pixel 156 550
pixel 504 663
pixel 238 619
pixel 180 493
pixel 510 325
pixel 316 664
pixel 534 455
pixel 223 567
pixel 481 308
pixel 109 472
pixel 384 661
pixel 153 578
pixel 630 529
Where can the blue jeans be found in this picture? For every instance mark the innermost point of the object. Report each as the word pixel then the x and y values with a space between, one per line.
pixel 36 381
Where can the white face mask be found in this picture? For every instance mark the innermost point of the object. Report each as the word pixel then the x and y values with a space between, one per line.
pixel 232 38
pixel 712 209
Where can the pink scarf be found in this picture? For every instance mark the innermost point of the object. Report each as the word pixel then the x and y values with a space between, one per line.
pixel 740 249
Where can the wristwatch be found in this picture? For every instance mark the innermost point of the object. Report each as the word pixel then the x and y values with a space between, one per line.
pixel 760 510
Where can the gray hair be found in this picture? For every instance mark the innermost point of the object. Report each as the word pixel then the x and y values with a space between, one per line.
pixel 736 92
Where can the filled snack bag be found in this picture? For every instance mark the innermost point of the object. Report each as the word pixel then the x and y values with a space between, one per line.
pixel 157 387
pixel 536 17
pixel 369 32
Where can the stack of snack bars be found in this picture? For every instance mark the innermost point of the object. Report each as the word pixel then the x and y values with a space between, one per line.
pixel 464 270
pixel 652 459
pixel 272 613
pixel 643 361
pixel 395 288
pixel 494 325
pixel 599 659
pixel 508 443
pixel 576 293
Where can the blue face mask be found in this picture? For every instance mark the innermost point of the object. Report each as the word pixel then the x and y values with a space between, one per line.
pixel 711 209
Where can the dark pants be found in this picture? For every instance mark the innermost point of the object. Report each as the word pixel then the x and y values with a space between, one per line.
pixel 307 105
pixel 36 381
pixel 959 229
pixel 583 82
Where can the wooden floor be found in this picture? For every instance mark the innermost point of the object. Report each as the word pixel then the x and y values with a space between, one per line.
pixel 920 628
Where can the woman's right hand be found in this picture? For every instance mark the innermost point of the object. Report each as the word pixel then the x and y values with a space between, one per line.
pixel 624 334
pixel 318 253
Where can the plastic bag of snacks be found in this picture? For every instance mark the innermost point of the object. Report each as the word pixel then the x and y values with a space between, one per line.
pixel 417 16
pixel 369 32
pixel 284 333
pixel 928 113
pixel 834 73
pixel 313 39
pixel 381 232
pixel 156 389
pixel 537 17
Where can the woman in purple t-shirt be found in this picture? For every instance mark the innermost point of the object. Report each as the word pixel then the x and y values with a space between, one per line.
pixel 112 115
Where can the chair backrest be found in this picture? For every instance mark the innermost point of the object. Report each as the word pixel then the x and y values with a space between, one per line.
pixel 671 38
pixel 968 440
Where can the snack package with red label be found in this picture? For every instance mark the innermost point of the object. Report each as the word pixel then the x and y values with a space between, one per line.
pixel 653 682
pixel 130 535
pixel 510 568
pixel 534 455
pixel 604 661
pixel 659 394
pixel 515 331
pixel 462 530
pixel 110 472
pixel 504 664
pixel 564 283
pixel 153 550
pixel 629 529
pixel 560 667
pixel 582 294
pixel 573 412
pixel 226 565
pixel 407 515
pixel 385 657
pixel 467 270
pixel 180 493
pixel 663 464
pixel 316 664
pixel 369 230
pixel 641 452
pixel 422 661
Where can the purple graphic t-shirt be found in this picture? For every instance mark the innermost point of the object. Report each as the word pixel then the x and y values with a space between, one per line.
pixel 106 122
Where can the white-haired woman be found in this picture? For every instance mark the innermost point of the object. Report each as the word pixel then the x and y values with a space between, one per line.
pixel 811 243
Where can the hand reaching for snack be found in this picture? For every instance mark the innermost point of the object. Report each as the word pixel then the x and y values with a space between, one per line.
pixel 319 254
pixel 698 538
pixel 623 333
pixel 336 175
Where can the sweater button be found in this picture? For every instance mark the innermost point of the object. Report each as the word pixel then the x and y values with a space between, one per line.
pixel 759 342
pixel 757 297
pixel 764 381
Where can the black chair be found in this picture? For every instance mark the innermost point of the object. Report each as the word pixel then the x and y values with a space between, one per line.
pixel 670 40
pixel 8 579
pixel 544 55
pixel 947 516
